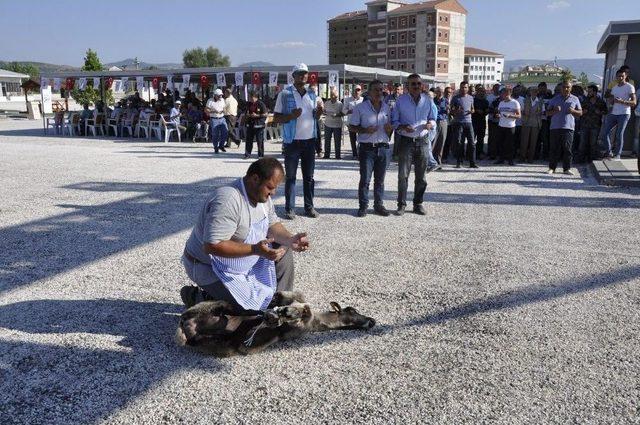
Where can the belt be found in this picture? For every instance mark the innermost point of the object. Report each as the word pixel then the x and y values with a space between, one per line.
pixel 191 258
pixel 415 139
pixel 374 145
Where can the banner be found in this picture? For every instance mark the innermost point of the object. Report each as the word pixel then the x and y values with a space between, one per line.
pixel 239 79
pixel 82 83
pixel 155 82
pixel 140 83
pixel 96 83
pixel 289 78
pixel 186 79
pixel 47 97
pixel 334 79
pixel 221 81
pixel 44 83
pixel 256 78
pixel 273 79
pixel 170 82
pixel 69 84
pixel 117 86
pixel 108 83
pixel 56 84
pixel 313 78
pixel 204 81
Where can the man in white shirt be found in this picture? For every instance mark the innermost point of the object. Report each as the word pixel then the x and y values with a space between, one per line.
pixel 623 95
pixel 218 125
pixel 297 110
pixel 333 124
pixel 348 106
pixel 508 112
pixel 231 115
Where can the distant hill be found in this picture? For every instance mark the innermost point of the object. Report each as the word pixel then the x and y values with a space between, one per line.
pixel 591 67
pixel 128 64
pixel 257 63
pixel 44 67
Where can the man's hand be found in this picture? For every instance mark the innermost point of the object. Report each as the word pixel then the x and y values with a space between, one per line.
pixel 299 242
pixel 263 250
pixel 406 128
pixel 429 126
pixel 296 113
pixel 371 130
pixel 388 128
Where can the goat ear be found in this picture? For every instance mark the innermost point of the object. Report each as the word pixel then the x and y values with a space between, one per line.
pixel 335 306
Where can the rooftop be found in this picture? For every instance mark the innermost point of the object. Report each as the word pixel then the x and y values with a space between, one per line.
pixel 468 51
pixel 447 5
pixel 350 15
pixel 614 30
pixel 10 74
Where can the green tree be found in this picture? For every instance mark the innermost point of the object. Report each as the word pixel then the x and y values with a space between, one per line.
pixel 21 68
pixel 566 75
pixel 202 58
pixel 584 79
pixel 90 95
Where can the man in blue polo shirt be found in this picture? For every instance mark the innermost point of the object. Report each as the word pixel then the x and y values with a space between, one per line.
pixel 462 109
pixel 562 109
pixel 414 118
pixel 371 120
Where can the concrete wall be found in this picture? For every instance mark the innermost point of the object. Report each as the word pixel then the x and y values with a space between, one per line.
pixel 457 23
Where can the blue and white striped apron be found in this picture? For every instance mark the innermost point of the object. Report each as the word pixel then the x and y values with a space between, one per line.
pixel 251 280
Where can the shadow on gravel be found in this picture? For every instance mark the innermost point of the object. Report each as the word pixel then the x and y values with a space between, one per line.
pixel 43 248
pixel 545 183
pixel 60 382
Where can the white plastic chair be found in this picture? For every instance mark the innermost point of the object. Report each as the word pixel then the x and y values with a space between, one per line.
pixel 169 128
pixel 114 123
pixel 95 124
pixel 68 123
pixel 127 124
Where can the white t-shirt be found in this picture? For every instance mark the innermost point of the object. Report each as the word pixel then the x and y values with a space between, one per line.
pixel 508 107
pixel 624 92
pixel 216 107
pixel 331 109
pixel 305 122
pixel 350 103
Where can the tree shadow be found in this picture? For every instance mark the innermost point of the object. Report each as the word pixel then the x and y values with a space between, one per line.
pixel 127 349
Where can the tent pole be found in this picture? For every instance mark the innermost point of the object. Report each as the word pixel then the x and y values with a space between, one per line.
pixel 44 120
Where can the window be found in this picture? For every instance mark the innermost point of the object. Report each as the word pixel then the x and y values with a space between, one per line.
pixel 445 50
pixel 393 37
pixel 446 19
pixel 439 50
pixel 439 34
pixel 402 52
pixel 413 50
pixel 392 52
pixel 402 37
pixel 413 66
pixel 413 20
pixel 438 66
pixel 428 65
pixel 446 35
pixel 403 22
pixel 391 67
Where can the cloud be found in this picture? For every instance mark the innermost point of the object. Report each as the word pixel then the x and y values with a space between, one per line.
pixel 557 5
pixel 597 30
pixel 287 45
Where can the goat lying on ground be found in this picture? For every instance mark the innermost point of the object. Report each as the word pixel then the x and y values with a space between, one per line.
pixel 214 327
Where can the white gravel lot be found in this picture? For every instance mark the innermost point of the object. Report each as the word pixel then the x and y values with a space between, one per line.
pixel 515 300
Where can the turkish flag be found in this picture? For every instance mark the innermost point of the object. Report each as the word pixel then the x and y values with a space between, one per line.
pixel 204 81
pixel 70 83
pixel 108 83
pixel 256 78
pixel 313 78
pixel 154 83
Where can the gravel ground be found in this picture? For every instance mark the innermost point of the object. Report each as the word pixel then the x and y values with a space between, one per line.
pixel 515 300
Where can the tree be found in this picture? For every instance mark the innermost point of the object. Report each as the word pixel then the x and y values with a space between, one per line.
pixel 22 68
pixel 584 79
pixel 201 58
pixel 566 75
pixel 90 95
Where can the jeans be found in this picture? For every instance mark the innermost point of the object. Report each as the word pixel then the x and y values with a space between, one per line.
pixel 372 161
pixel 353 137
pixel 462 131
pixel 479 130
pixel 416 154
pixel 560 143
pixel 543 138
pixel 302 151
pixel 219 133
pixel 256 134
pixel 337 140
pixel 441 136
pixel 636 135
pixel 492 148
pixel 611 121
pixel 588 150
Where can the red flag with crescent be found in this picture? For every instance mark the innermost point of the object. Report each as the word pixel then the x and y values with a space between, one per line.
pixel 154 83
pixel 256 78
pixel 313 78
pixel 70 83
pixel 204 81
pixel 108 83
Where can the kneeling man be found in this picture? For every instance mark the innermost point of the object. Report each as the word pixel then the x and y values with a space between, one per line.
pixel 239 251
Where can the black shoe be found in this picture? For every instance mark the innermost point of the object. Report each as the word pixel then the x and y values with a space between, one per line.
pixel 188 295
pixel 400 211
pixel 419 209
pixel 434 168
pixel 216 151
pixel 228 145
pixel 223 149
pixel 245 156
pixel 498 162
pixel 326 157
pixel 289 215
pixel 237 142
pixel 312 213
pixel 362 212
pixel 511 163
pixel 382 211
pixel 473 165
pixel 458 164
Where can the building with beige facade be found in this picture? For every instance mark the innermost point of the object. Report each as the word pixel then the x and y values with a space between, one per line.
pixel 427 38
pixel 483 67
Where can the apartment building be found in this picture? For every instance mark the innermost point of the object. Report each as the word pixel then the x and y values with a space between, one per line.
pixel 427 37
pixel 483 67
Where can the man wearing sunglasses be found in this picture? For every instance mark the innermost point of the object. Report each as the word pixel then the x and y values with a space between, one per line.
pixel 414 118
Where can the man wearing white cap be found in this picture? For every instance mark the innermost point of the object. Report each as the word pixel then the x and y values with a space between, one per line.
pixel 218 126
pixel 349 105
pixel 297 110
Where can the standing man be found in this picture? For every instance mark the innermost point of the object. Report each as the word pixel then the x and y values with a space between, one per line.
pixel 562 110
pixel 544 95
pixel 507 113
pixel 593 109
pixel 333 124
pixel 218 125
pixel 462 109
pixel 238 250
pixel 623 95
pixel 371 120
pixel 231 115
pixel 414 117
pixel 479 119
pixel 494 99
pixel 296 109
pixel 255 120
pixel 348 106
pixel 442 103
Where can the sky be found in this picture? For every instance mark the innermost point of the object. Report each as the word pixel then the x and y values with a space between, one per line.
pixel 282 32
